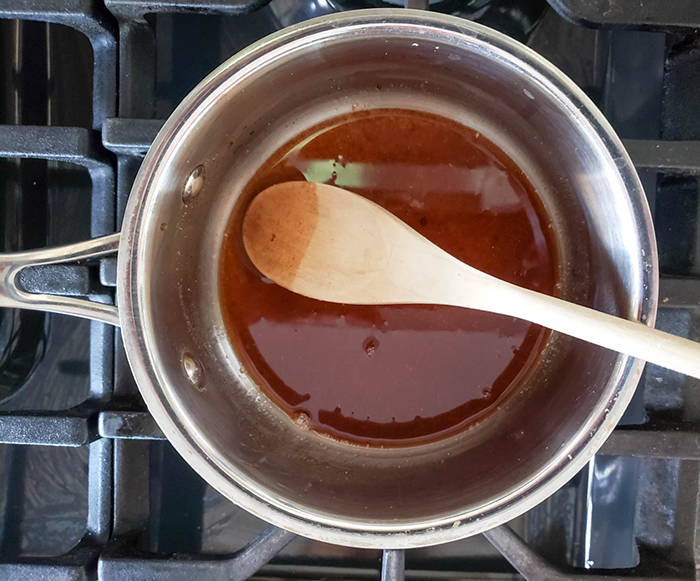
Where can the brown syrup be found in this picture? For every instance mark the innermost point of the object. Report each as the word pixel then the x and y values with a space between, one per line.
pixel 396 375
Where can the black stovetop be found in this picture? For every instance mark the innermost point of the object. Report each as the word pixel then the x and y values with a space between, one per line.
pixel 88 486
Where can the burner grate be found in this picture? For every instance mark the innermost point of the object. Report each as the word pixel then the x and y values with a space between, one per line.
pixel 127 523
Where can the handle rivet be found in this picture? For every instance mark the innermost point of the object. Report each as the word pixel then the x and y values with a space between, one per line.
pixel 193 185
pixel 193 370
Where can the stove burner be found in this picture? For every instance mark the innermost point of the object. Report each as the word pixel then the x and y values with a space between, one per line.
pixel 434 4
pixel 88 486
pixel 513 17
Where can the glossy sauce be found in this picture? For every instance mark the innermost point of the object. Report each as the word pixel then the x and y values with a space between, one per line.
pixel 396 375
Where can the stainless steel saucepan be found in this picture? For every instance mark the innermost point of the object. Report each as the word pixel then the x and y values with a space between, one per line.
pixel 168 256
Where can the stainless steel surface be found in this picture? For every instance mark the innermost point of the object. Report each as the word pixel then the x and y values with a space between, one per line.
pixel 12 295
pixel 609 514
pixel 235 437
pixel 417 4
pixel 393 565
pixel 168 269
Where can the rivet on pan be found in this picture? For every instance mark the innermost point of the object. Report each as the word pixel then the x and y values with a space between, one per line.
pixel 193 371
pixel 193 185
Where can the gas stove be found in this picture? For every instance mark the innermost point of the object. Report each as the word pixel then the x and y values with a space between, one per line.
pixel 89 487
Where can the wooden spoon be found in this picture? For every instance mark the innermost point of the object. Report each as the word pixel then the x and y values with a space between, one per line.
pixel 329 244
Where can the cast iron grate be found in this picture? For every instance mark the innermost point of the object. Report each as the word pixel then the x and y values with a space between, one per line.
pixel 121 438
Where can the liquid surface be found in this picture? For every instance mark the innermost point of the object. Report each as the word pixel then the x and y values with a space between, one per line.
pixel 399 374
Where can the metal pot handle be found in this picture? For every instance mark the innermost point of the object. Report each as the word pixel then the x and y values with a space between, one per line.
pixel 12 295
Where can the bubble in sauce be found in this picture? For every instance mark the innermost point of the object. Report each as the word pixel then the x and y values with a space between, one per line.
pixel 370 345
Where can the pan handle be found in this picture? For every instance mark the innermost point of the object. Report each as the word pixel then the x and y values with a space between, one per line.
pixel 12 294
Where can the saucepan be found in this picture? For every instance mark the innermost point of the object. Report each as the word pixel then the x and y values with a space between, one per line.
pixel 191 377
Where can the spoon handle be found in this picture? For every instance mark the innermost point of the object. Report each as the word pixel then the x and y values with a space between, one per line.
pixel 628 337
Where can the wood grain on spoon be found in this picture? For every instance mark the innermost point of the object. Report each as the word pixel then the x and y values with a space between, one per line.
pixel 332 245
pixel 278 228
